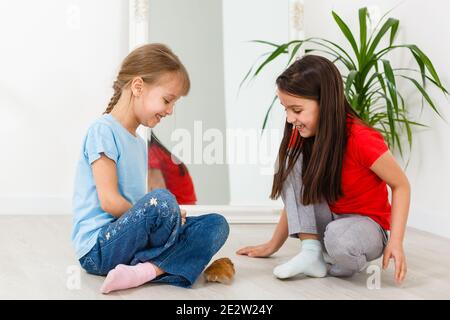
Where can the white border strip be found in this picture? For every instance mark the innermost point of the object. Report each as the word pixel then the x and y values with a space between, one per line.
pixel 237 214
pixel 21 205
pixel 60 205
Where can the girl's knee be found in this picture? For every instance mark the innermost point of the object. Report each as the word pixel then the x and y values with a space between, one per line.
pixel 163 201
pixel 218 227
pixel 161 195
pixel 161 211
pixel 337 241
pixel 345 250
pixel 357 239
pixel 220 222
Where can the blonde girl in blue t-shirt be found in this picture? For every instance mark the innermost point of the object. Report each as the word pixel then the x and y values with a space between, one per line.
pixel 120 230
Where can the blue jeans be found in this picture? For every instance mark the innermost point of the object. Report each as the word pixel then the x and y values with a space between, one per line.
pixel 151 231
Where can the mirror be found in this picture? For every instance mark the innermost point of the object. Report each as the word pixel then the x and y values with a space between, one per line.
pixel 215 131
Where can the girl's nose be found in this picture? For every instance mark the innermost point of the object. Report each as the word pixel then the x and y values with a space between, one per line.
pixel 169 110
pixel 290 119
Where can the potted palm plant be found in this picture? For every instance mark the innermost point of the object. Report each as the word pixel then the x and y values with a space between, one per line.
pixel 370 80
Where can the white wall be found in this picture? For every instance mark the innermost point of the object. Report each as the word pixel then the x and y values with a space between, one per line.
pixel 425 24
pixel 58 61
pixel 244 21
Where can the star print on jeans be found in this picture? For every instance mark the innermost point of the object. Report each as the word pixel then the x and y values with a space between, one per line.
pixel 108 236
pixel 139 212
pixel 153 202
pixel 164 205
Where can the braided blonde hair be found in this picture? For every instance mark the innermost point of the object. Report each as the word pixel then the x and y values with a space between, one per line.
pixel 150 62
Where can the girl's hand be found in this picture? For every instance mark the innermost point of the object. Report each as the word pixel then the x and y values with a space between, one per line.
pixel 183 216
pixel 395 250
pixel 259 251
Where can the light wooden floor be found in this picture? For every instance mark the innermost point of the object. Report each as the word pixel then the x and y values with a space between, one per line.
pixel 36 256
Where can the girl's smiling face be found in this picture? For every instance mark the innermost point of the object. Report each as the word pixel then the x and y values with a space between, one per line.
pixel 301 112
pixel 157 100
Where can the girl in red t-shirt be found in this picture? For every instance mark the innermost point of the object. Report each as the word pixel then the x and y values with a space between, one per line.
pixel 333 172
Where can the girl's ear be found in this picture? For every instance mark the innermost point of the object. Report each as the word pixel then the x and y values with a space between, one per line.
pixel 136 86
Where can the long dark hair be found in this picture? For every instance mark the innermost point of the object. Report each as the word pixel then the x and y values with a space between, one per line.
pixel 315 77
pixel 182 169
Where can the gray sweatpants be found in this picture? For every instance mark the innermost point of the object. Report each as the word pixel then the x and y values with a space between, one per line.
pixel 351 240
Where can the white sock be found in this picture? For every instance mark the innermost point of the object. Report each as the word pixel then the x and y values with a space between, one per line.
pixel 309 262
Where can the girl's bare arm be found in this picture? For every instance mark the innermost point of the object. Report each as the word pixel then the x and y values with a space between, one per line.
pixel 105 177
pixel 387 169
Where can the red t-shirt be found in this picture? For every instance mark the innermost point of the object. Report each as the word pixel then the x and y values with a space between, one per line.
pixel 180 186
pixel 364 192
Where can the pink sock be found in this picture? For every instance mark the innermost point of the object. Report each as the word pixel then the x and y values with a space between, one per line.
pixel 124 277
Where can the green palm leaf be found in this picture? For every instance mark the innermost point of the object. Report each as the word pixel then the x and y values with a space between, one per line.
pixel 370 80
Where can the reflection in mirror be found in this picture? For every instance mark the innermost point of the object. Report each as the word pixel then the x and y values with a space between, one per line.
pixel 167 171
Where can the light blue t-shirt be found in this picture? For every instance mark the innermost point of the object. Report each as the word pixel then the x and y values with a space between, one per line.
pixel 106 135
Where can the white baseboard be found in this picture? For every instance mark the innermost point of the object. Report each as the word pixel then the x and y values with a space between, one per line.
pixel 438 224
pixel 60 205
pixel 238 214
